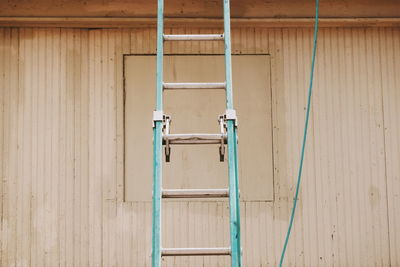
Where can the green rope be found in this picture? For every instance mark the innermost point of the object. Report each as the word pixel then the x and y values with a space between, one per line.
pixel 304 135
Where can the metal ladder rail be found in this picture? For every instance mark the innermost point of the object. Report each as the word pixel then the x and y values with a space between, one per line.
pixel 234 205
pixel 158 193
pixel 157 143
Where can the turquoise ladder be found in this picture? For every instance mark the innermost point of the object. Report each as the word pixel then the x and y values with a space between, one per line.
pixel 227 136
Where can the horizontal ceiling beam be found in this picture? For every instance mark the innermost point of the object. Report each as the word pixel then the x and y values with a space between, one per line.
pixel 104 22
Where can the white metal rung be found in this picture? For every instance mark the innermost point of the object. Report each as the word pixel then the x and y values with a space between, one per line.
pixel 195 251
pixel 192 139
pixel 195 193
pixel 193 37
pixel 194 85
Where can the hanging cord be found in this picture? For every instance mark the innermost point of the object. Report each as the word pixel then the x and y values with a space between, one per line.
pixel 304 135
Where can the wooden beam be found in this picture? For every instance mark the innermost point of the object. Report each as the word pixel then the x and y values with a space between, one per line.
pixel 102 22
pixel 200 9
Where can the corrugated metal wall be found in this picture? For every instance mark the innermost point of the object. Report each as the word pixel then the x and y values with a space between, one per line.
pixel 61 141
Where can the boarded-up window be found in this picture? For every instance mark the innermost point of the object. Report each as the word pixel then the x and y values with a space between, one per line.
pixel 196 111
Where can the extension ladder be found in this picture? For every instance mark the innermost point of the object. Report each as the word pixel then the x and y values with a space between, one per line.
pixel 163 137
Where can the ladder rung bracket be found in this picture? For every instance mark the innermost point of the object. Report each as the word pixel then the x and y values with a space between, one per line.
pixel 195 251
pixel 194 85
pixel 193 139
pixel 195 193
pixel 193 37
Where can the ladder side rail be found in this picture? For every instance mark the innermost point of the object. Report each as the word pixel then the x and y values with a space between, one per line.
pixel 234 211
pixel 157 178
pixel 157 144
pixel 160 54
pixel 228 58
pixel 234 207
pixel 237 197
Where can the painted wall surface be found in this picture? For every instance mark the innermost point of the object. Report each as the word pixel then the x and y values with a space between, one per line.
pixel 196 111
pixel 61 145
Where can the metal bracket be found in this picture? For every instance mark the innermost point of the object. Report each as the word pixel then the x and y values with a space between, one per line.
pixel 167 123
pixel 230 114
pixel 158 115
pixel 222 124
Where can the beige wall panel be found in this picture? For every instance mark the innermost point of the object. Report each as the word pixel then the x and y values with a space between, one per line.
pixel 344 177
pixel 199 166
pixel 348 109
pixel 3 47
pixel 10 78
pixel 389 42
pixel 62 153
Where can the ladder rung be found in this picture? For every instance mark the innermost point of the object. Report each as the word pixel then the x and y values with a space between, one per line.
pixel 195 251
pixel 195 193
pixel 193 139
pixel 193 37
pixel 194 85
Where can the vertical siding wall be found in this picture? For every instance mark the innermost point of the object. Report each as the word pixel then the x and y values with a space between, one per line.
pixel 61 147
